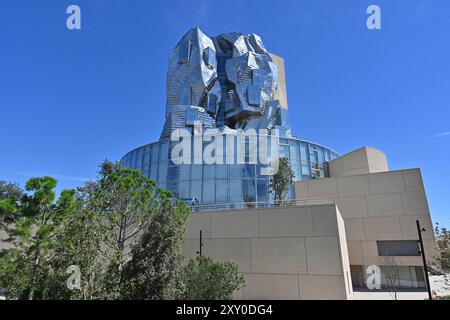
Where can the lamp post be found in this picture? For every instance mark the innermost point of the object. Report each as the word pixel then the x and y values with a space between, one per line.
pixel 199 252
pixel 424 261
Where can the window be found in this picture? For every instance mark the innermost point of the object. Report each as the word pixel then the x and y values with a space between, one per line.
pixel 248 170
pixel 208 57
pixel 295 166
pixel 172 186
pixel 184 171
pixel 138 164
pixel 251 146
pixel 398 248
pixel 258 77
pixel 235 171
pixel 146 159
pixel 209 171
pixel 306 170
pixel 236 191
pixel 185 95
pixel 304 152
pixel 163 152
pixel 192 117
pixel 162 172
pixel 321 155
pixel 184 53
pixel 221 171
pixel 172 173
pixel 253 95
pixel 154 152
pixel 284 151
pixel 212 103
pixel 208 191
pixel 294 151
pixel 327 155
pixel 196 171
pixel 132 157
pixel 406 277
pixel 249 190
pixel 263 191
pixel 154 171
pixel 196 189
pixel 315 174
pixel 221 190
pixel 314 156
pixel 183 189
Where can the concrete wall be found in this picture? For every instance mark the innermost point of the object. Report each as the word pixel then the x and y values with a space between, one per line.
pixel 361 161
pixel 285 253
pixel 375 206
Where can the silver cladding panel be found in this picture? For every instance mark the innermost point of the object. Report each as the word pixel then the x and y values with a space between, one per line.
pixel 242 98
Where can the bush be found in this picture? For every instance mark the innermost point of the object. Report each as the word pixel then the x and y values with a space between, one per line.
pixel 205 279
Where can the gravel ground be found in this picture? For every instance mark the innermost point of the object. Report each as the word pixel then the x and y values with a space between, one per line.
pixel 441 285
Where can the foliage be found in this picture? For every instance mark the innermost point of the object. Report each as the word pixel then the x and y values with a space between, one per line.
pixel 443 242
pixel 10 195
pixel 10 190
pixel 154 270
pixel 121 231
pixel 279 182
pixel 92 228
pixel 78 244
pixel 32 224
pixel 124 203
pixel 205 279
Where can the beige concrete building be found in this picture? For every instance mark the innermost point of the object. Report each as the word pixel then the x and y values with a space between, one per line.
pixel 281 251
pixel 320 246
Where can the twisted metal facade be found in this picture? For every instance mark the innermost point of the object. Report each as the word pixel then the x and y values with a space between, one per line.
pixel 227 82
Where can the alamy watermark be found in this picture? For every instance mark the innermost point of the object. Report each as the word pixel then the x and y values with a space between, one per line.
pixel 74 280
pixel 237 147
pixel 373 277
pixel 73 21
pixel 373 22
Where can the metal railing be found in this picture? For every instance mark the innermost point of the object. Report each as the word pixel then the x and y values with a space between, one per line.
pixel 258 205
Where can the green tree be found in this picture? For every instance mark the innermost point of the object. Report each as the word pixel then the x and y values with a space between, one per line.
pixel 10 195
pixel 205 279
pixel 279 182
pixel 121 231
pixel 443 242
pixel 92 229
pixel 31 224
pixel 154 269
pixel 125 203
pixel 9 190
pixel 77 244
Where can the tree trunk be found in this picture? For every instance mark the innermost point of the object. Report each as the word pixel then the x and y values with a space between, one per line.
pixel 33 273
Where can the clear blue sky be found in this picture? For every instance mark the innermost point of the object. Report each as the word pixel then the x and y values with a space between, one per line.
pixel 70 99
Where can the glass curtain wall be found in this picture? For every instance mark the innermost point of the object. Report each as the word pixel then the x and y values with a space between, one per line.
pixel 226 183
